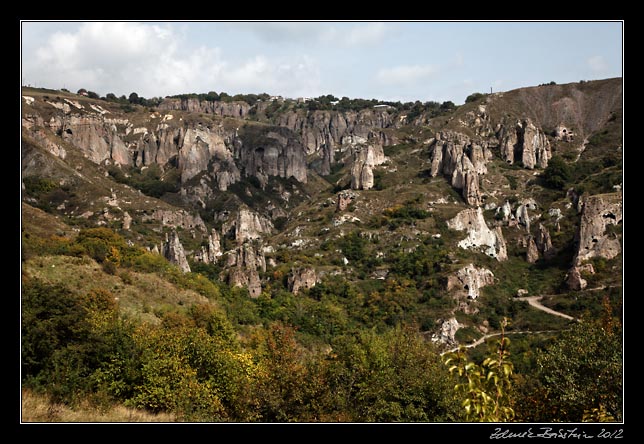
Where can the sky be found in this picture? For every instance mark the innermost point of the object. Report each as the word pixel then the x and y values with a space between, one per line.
pixel 390 61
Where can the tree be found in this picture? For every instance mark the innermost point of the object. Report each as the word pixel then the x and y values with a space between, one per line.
pixel 133 98
pixel 557 173
pixel 389 377
pixel 582 372
pixel 447 106
pixel 486 387
pixel 474 97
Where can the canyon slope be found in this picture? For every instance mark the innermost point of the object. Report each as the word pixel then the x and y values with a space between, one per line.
pixel 516 193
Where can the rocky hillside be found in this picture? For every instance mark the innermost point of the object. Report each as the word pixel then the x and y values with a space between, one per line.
pixel 514 193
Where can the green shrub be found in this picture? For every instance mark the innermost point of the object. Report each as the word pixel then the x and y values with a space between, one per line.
pixel 557 173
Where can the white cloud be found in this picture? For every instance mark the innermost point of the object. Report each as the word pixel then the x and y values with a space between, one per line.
pixel 597 64
pixel 281 32
pixel 361 34
pixel 152 60
pixel 294 77
pixel 405 74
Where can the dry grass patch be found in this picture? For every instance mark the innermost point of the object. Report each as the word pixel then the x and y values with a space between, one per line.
pixel 139 294
pixel 40 408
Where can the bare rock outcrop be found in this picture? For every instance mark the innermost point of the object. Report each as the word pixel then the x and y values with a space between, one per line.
pixel 470 280
pixel 447 333
pixel 574 281
pixel 200 147
pixel 302 278
pixel 244 264
pixel 522 216
pixel 479 235
pixel 173 251
pixel 364 161
pixel 460 159
pixel 127 221
pixel 532 253
pixel 265 151
pixel 564 134
pixel 210 253
pixel 247 225
pixel 344 199
pixel 544 242
pixel 176 219
pixel 323 132
pixel 225 109
pixel 505 211
pixel 596 239
pixel 525 142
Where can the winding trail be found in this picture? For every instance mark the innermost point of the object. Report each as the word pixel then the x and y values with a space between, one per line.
pixel 482 339
pixel 534 302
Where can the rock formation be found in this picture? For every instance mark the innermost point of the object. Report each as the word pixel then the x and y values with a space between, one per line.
pixel 344 199
pixel 479 235
pixel 532 253
pixel 364 160
pixel 323 132
pixel 598 214
pixel 525 142
pixel 176 219
pixel 470 279
pixel 564 134
pixel 248 225
pixel 522 216
pixel 460 159
pixel 574 281
pixel 243 264
pixel 544 242
pixel 199 147
pixel 595 237
pixel 210 253
pixel 127 221
pixel 271 151
pixel 447 333
pixel 173 251
pixel 225 109
pixel 302 278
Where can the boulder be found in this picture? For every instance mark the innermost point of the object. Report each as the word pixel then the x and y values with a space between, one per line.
pixel 479 235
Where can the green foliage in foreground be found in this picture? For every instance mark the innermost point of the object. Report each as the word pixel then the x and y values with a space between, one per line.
pixel 485 388
pixel 337 352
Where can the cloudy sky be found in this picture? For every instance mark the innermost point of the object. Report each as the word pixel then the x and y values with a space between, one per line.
pixel 404 61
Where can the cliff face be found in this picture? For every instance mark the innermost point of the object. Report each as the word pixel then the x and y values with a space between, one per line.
pixel 462 161
pixel 479 235
pixel 224 154
pixel 215 145
pixel 224 109
pixel 599 213
pixel 324 132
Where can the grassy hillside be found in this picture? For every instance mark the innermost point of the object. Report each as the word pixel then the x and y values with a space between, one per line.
pixel 111 329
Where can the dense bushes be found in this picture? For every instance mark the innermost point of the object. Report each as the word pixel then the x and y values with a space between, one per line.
pixel 150 181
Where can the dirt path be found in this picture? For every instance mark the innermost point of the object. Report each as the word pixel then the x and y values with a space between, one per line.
pixel 534 301
pixel 482 339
